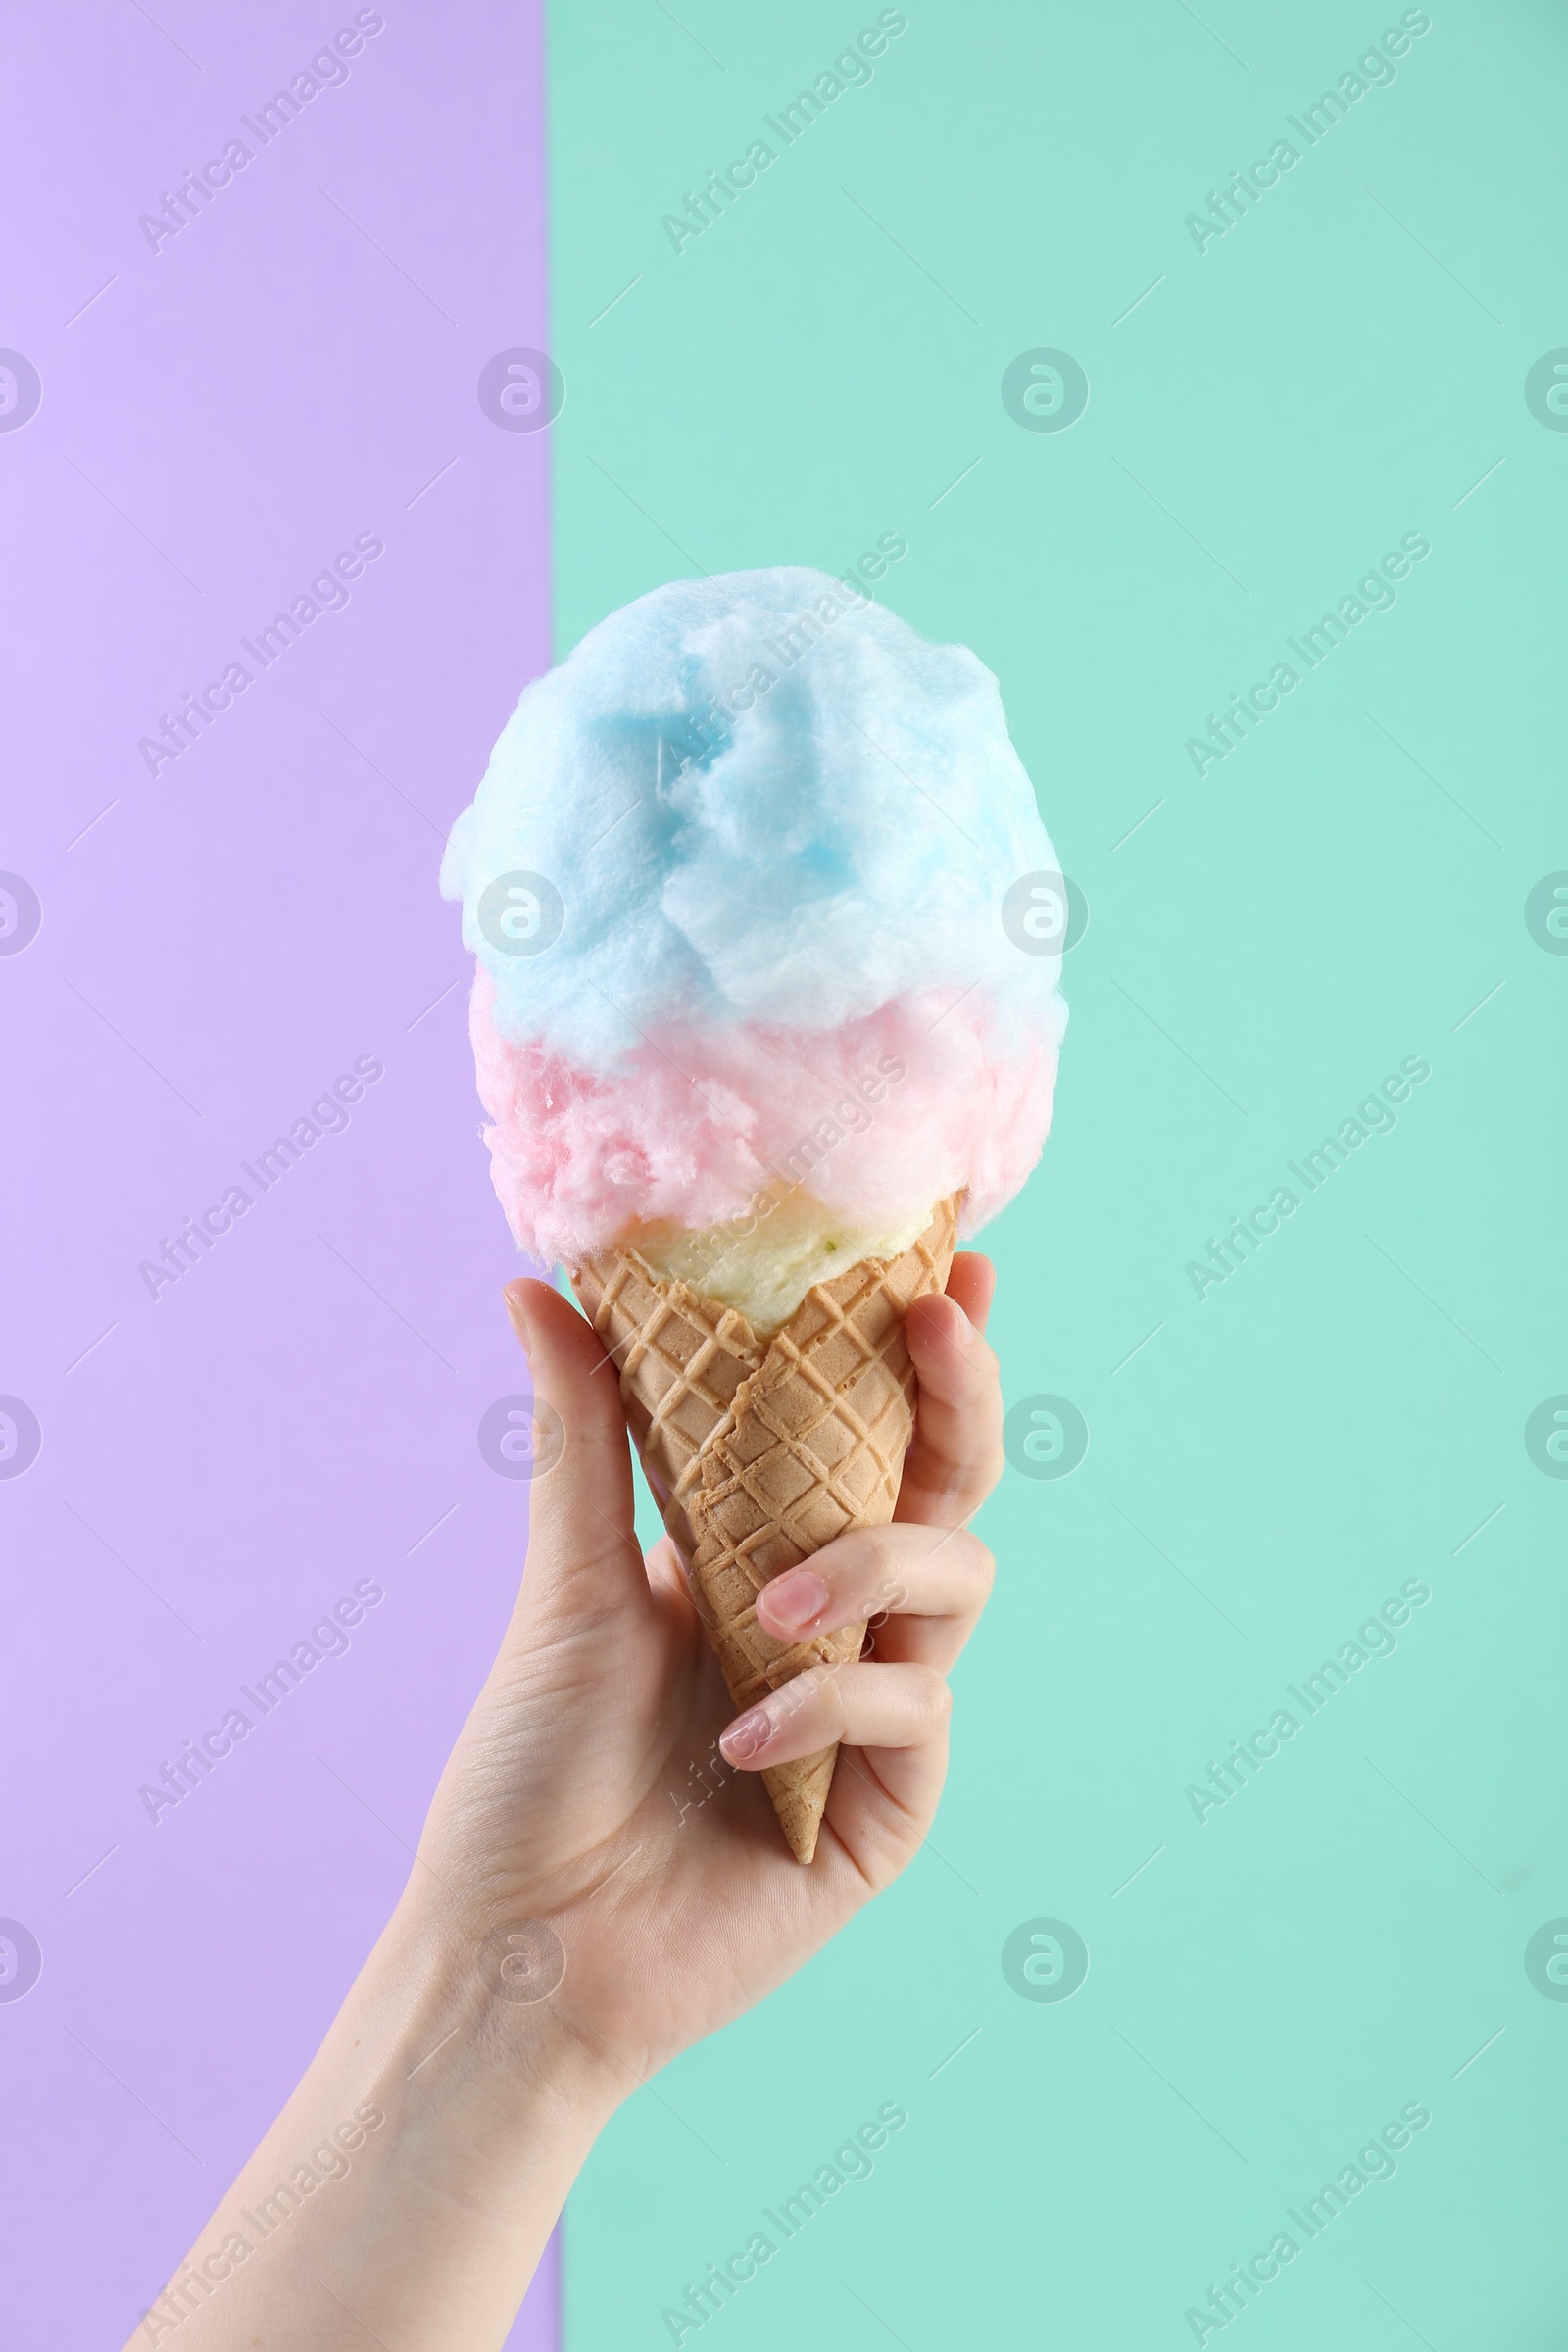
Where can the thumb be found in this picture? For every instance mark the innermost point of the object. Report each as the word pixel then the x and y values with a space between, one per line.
pixel 583 1555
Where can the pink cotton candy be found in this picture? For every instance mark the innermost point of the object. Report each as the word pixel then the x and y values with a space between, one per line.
pixel 877 1120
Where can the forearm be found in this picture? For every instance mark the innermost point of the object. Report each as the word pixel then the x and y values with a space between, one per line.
pixel 407 2188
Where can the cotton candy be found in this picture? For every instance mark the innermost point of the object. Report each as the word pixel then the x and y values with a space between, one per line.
pixel 736 879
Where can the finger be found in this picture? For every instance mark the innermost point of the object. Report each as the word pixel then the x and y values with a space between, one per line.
pixel 956 1456
pixel 874 1707
pixel 929 1584
pixel 666 1573
pixel 583 1555
pixel 663 1563
pixel 972 1281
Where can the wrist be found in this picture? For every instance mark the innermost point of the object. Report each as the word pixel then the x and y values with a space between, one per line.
pixel 423 2158
pixel 482 2032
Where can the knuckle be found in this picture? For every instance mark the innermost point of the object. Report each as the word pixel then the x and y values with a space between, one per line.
pixel 938 1697
pixel 974 1374
pixel 934 1469
pixel 879 1575
pixel 971 1563
pixel 969 1553
pixel 990 1465
pixel 988 1422
pixel 851 1558
pixel 799 1692
pixel 830 1706
pixel 982 1566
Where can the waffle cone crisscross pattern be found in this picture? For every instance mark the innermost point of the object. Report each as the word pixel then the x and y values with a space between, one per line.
pixel 759 1452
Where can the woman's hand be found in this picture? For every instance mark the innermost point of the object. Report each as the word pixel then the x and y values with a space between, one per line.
pixel 601 1879
pixel 600 1785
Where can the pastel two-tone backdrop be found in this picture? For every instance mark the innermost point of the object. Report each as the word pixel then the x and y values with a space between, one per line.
pixel 1208 373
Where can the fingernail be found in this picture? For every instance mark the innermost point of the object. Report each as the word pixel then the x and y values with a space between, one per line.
pixel 746 1736
pixel 518 1313
pixel 795 1601
pixel 964 1331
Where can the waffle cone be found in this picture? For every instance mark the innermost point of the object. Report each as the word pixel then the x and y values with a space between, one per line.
pixel 759 1452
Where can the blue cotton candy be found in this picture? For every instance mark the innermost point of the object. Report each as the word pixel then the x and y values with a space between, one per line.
pixel 761 799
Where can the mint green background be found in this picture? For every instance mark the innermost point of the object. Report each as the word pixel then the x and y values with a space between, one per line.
pixel 1276 938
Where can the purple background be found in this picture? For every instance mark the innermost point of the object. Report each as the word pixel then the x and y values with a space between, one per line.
pixel 218 942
